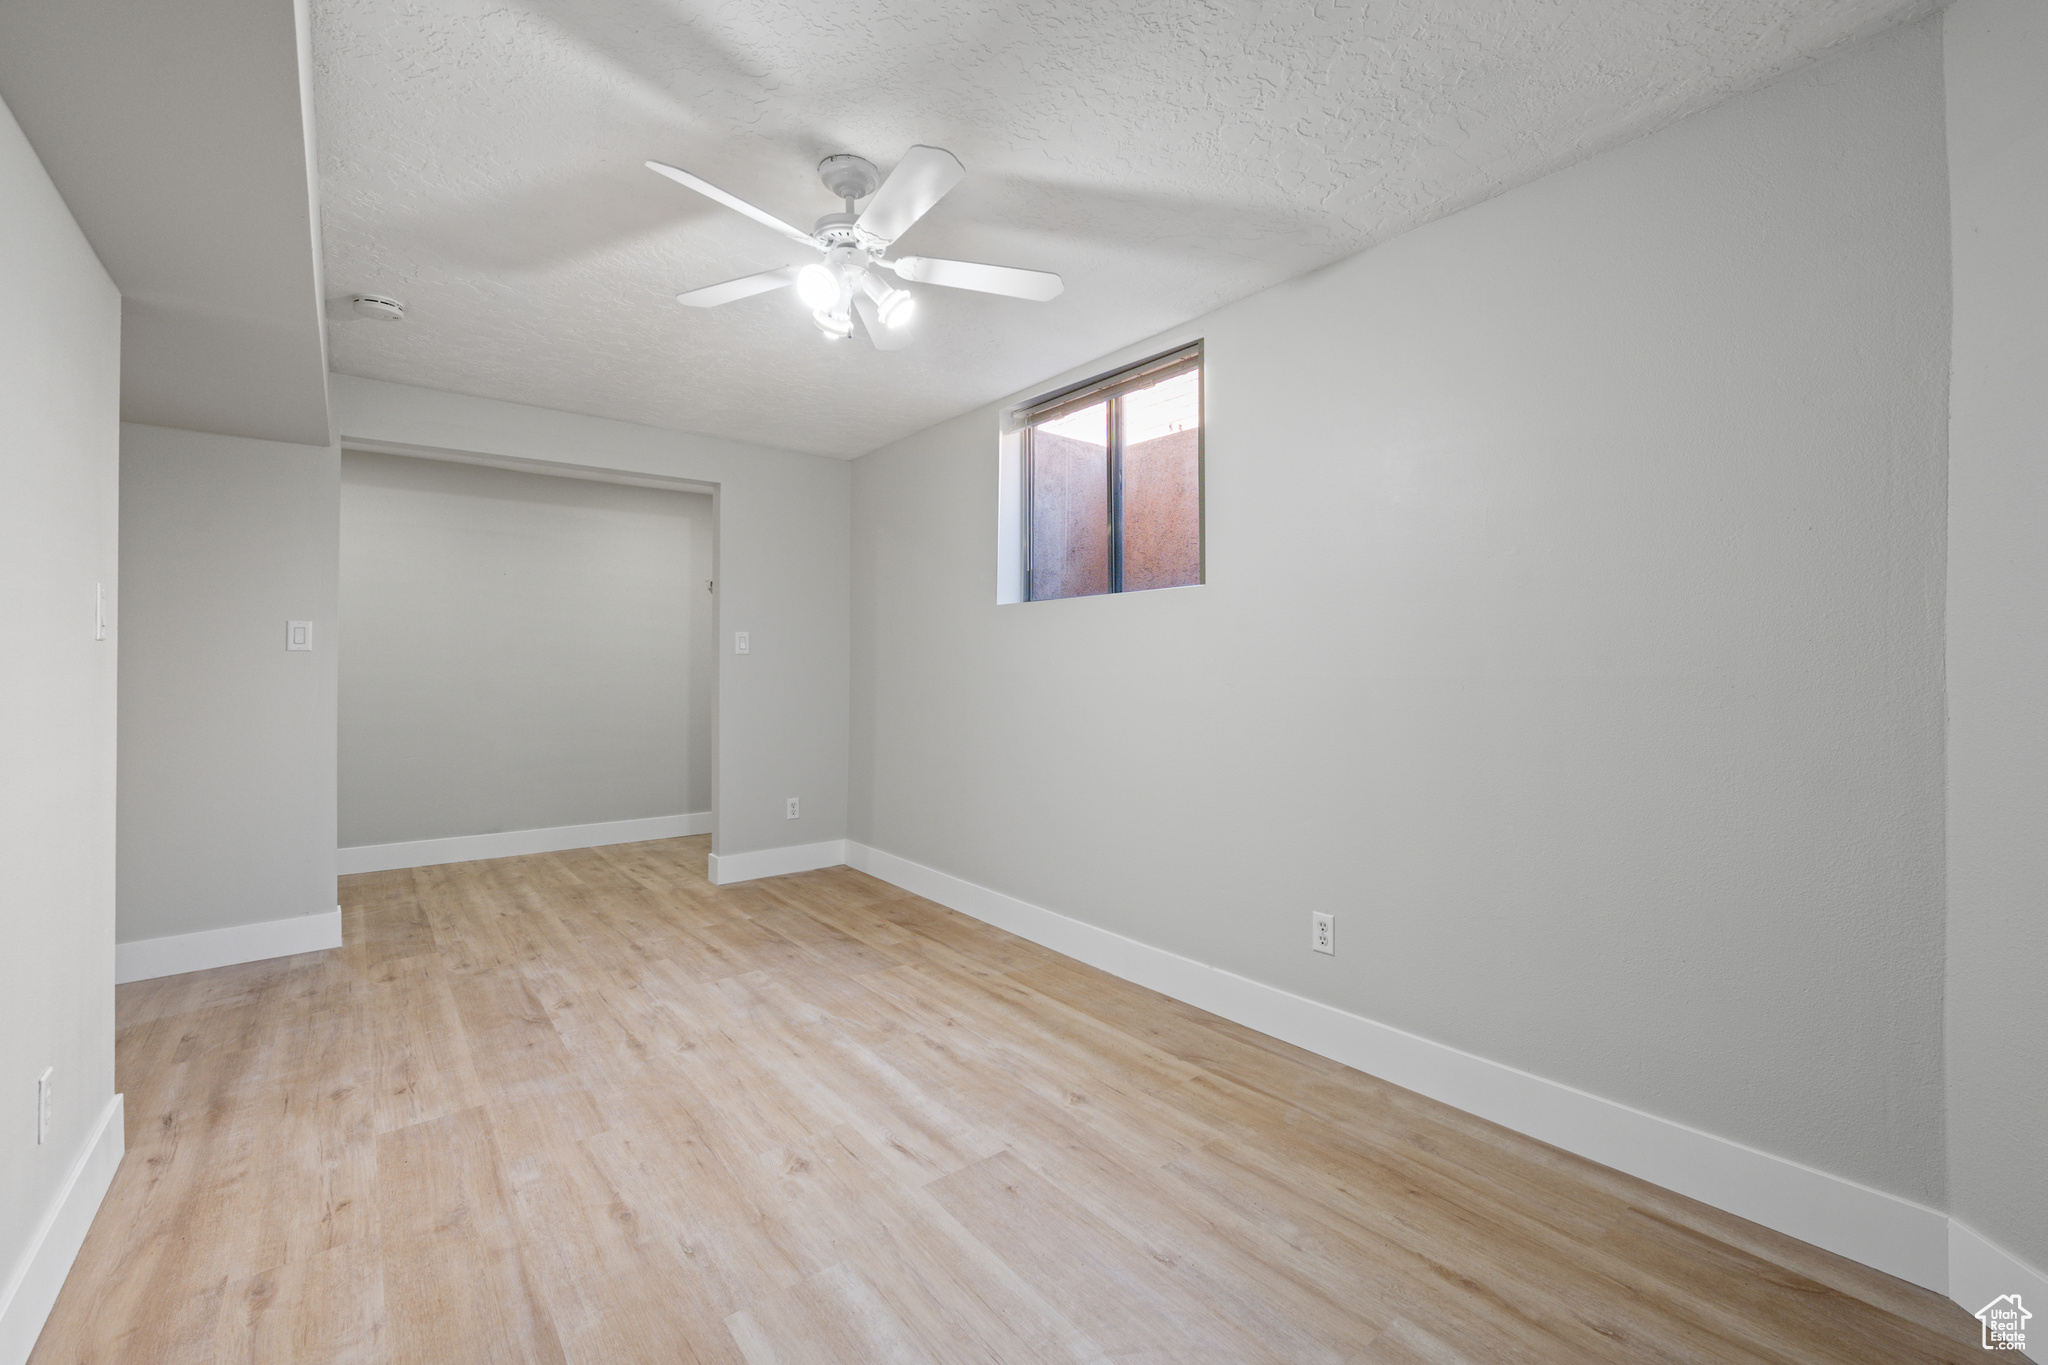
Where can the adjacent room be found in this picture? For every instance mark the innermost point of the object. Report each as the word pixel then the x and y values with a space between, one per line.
pixel 781 684
pixel 526 652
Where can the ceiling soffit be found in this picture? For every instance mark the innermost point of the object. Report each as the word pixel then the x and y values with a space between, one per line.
pixel 178 135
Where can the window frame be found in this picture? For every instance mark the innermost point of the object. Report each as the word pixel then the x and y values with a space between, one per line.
pixel 1109 388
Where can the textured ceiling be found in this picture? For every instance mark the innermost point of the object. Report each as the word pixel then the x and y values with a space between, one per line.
pixel 481 160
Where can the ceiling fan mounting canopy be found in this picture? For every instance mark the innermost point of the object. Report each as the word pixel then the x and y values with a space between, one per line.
pixel 845 292
pixel 849 176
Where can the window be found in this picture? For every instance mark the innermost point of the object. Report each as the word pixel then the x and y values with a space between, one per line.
pixel 1112 482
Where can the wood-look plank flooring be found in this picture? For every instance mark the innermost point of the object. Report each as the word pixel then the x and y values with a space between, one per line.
pixel 586 1107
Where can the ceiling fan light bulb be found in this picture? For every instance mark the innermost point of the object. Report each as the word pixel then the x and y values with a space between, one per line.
pixel 895 310
pixel 834 326
pixel 817 287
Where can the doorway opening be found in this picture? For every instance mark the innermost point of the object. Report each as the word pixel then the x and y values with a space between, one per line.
pixel 526 661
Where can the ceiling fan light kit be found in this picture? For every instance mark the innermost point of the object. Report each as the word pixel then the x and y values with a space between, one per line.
pixel 817 286
pixel 893 306
pixel 845 287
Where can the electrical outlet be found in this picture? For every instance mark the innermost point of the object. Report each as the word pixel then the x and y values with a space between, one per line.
pixel 789 811
pixel 1323 933
pixel 43 1106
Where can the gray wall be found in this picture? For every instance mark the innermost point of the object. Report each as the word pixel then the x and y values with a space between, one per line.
pixel 1997 1039
pixel 60 376
pixel 519 651
pixel 1572 631
pixel 782 577
pixel 227 738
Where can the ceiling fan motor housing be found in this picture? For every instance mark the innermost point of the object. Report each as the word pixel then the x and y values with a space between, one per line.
pixel 838 229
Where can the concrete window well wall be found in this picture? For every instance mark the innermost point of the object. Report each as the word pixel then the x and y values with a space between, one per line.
pixel 520 652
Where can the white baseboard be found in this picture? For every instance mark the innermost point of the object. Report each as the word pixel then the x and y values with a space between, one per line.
pixel 178 953
pixel 1979 1270
pixel 31 1291
pixel 1882 1230
pixel 513 843
pixel 727 868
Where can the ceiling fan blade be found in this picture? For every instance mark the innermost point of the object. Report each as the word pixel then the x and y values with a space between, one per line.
pixel 1036 285
pixel 920 179
pixel 745 287
pixel 880 337
pixel 711 191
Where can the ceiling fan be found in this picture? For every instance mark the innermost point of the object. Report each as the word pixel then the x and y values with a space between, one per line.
pixel 846 285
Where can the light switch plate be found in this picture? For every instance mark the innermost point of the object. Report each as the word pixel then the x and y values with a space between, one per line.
pixel 739 642
pixel 298 635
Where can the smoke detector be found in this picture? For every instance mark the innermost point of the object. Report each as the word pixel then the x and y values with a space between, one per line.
pixel 377 307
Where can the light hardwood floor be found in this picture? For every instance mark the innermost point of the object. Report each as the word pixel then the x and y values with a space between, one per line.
pixel 587 1107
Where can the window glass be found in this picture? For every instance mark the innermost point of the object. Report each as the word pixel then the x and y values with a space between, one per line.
pixel 1162 483
pixel 1113 482
pixel 1070 504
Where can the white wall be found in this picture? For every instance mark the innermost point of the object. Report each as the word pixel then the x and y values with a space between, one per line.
pixel 519 651
pixel 1572 632
pixel 782 577
pixel 1996 52
pixel 227 738
pixel 60 346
